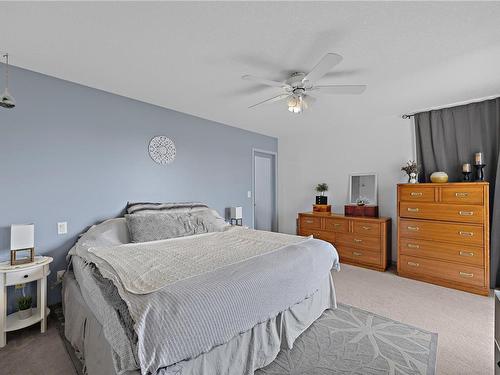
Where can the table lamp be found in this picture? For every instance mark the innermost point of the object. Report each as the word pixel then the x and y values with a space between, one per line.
pixel 236 215
pixel 22 243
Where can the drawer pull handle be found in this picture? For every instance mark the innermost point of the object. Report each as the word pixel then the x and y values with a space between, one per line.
pixel 356 254
pixel 413 228
pixel 367 228
pixel 461 195
pixel 466 274
pixel 413 246
pixel 309 221
pixel 336 225
pixel 413 264
pixel 358 240
pixel 465 213
pixel 416 193
pixel 466 253
pixel 25 276
pixel 466 234
pixel 412 209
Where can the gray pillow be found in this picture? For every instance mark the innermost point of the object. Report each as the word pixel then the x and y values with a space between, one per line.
pixel 146 207
pixel 146 227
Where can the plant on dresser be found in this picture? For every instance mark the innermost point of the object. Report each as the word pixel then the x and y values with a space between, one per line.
pixel 360 241
pixel 443 234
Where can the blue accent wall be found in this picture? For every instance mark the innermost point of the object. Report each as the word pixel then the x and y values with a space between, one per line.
pixel 72 153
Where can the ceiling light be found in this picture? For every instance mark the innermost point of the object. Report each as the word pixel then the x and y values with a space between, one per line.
pixel 295 104
pixel 6 99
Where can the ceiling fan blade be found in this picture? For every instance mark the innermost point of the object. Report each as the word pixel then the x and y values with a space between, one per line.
pixel 340 89
pixel 326 63
pixel 273 99
pixel 264 81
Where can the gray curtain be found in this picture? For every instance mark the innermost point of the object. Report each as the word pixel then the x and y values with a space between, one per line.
pixel 447 138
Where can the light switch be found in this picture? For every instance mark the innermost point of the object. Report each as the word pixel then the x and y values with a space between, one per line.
pixel 62 228
pixel 249 194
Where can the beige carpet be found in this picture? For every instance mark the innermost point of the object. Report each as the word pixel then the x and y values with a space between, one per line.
pixel 28 352
pixel 463 321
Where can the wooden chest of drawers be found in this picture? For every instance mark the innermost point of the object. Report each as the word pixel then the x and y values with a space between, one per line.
pixel 359 241
pixel 443 234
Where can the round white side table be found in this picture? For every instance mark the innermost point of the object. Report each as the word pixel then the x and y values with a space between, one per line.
pixel 21 274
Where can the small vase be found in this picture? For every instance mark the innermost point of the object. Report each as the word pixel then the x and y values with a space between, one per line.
pixel 439 177
pixel 24 314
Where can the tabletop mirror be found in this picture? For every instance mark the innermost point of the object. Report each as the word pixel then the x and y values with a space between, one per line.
pixel 363 188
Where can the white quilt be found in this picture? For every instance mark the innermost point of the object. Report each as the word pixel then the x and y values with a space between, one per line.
pixel 149 266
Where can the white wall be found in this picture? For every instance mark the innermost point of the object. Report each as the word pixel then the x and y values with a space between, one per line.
pixel 367 134
pixel 380 145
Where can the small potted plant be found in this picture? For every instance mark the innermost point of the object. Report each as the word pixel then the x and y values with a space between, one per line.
pixel 411 168
pixel 321 189
pixel 24 307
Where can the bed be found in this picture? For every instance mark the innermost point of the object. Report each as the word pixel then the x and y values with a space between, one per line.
pixel 221 302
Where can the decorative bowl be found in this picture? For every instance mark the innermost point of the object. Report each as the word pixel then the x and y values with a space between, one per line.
pixel 439 177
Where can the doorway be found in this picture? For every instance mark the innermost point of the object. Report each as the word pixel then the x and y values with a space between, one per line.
pixel 265 214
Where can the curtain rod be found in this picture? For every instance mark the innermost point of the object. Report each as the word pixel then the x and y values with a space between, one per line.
pixel 411 114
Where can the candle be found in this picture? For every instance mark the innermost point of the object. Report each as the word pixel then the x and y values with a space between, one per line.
pixel 466 167
pixel 478 158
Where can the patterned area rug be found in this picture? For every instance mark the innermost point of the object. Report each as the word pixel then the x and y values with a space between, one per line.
pixel 349 340
pixel 346 341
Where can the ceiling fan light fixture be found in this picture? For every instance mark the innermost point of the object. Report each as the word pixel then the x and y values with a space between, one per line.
pixel 297 89
pixel 6 99
pixel 296 104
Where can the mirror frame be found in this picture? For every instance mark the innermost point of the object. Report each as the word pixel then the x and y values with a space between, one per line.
pixel 351 175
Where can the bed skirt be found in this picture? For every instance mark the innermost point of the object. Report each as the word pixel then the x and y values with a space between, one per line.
pixel 243 354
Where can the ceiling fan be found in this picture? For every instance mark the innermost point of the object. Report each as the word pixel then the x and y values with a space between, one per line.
pixel 300 88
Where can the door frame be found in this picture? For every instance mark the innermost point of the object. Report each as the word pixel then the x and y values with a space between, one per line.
pixel 275 158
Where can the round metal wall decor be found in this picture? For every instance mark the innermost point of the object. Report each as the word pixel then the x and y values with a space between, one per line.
pixel 162 150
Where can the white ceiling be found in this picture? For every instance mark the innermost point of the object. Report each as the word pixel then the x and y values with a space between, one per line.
pixel 190 56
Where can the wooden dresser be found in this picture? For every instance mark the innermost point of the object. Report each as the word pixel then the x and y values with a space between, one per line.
pixel 360 241
pixel 443 234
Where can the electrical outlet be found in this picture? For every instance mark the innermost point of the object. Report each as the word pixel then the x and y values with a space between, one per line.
pixel 60 275
pixel 249 194
pixel 62 227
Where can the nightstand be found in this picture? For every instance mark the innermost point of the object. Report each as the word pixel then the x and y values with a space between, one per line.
pixel 21 274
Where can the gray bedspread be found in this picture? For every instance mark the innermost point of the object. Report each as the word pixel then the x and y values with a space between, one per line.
pixel 194 315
